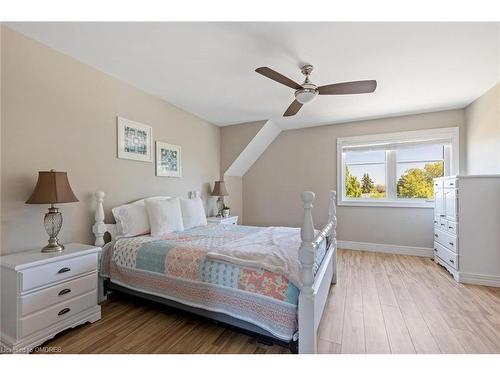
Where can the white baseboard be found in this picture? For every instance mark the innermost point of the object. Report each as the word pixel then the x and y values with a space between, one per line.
pixel 386 248
pixel 478 279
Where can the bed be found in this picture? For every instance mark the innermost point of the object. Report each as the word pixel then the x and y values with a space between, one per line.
pixel 188 270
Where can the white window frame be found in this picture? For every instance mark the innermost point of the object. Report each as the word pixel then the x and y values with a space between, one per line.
pixel 446 135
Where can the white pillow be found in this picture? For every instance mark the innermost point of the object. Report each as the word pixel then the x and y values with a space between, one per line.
pixel 193 213
pixel 131 219
pixel 164 216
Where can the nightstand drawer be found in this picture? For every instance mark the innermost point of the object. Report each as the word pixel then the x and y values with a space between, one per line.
pixel 57 271
pixel 230 220
pixel 58 293
pixel 46 318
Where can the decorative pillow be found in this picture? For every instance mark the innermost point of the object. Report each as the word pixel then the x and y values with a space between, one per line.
pixel 131 219
pixel 193 213
pixel 164 216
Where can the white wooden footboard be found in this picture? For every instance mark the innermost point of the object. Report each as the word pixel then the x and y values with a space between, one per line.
pixel 313 295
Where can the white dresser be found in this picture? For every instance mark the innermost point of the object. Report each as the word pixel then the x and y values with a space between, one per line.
pixel 467 227
pixel 43 294
pixel 446 224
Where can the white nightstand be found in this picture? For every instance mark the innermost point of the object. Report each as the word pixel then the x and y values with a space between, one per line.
pixel 223 220
pixel 46 293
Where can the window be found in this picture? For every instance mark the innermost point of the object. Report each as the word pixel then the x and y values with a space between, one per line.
pixel 395 169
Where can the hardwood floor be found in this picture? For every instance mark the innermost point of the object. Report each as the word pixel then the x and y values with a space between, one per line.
pixel 382 303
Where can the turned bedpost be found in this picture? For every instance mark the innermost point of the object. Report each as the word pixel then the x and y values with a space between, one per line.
pixel 332 213
pixel 306 250
pixel 332 236
pixel 307 330
pixel 99 227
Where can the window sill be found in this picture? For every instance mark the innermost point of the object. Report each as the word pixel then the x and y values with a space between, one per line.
pixel 372 203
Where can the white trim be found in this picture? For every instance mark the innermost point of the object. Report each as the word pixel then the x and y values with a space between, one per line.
pixel 478 279
pixel 386 203
pixel 450 134
pixel 386 248
pixel 479 176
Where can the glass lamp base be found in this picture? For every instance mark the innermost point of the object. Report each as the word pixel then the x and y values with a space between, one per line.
pixel 53 222
pixel 53 246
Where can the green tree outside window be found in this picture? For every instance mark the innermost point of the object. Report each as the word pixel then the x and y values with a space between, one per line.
pixel 417 183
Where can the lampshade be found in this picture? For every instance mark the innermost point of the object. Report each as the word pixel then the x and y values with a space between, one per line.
pixel 219 189
pixel 52 187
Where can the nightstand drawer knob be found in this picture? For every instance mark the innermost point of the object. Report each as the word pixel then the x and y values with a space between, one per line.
pixel 64 291
pixel 64 311
pixel 64 269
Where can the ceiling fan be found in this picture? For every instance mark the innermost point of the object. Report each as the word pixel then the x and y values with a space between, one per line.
pixel 307 91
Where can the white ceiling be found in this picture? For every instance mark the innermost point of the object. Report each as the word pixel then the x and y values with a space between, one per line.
pixel 208 68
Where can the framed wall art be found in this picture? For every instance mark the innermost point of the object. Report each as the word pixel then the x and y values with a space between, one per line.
pixel 135 140
pixel 168 160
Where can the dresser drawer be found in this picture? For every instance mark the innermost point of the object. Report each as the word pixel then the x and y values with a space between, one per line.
pixel 452 227
pixel 46 318
pixel 448 240
pixel 438 183
pixel 57 271
pixel 446 255
pixel 436 221
pixel 58 293
pixel 443 223
pixel 450 183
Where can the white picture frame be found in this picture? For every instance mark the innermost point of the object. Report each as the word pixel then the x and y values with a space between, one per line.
pixel 168 160
pixel 134 140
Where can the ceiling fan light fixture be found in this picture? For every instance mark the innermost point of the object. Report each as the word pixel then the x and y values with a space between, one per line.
pixel 305 95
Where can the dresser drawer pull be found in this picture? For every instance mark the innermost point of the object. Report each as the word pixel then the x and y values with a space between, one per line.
pixel 435 222
pixel 64 269
pixel 435 250
pixel 442 224
pixel 452 261
pixel 450 227
pixel 451 243
pixel 64 291
pixel 64 311
pixel 442 215
pixel 436 236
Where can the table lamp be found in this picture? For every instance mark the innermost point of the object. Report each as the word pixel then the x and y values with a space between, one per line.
pixel 219 191
pixel 52 187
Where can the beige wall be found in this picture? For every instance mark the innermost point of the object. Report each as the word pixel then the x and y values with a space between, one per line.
pixel 483 133
pixel 234 139
pixel 59 113
pixel 305 159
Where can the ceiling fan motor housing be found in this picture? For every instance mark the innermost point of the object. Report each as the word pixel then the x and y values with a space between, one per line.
pixel 309 90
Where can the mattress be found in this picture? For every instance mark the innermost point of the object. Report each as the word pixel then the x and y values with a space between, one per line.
pixel 176 267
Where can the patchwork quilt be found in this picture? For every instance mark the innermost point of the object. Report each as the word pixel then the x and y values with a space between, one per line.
pixel 176 267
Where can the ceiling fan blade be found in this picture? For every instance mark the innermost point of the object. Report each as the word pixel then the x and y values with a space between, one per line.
pixel 345 88
pixel 278 77
pixel 292 109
